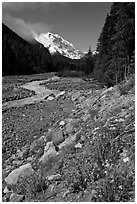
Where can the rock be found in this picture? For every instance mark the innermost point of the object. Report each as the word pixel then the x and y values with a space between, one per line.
pixel 29 159
pixel 106 124
pixel 16 197
pixel 20 154
pixel 82 139
pixel 54 177
pixel 85 118
pixel 75 96
pixel 78 146
pixel 50 98
pixel 62 123
pixel 90 195
pixel 13 157
pixel 24 170
pixel 8 167
pixel 78 136
pixel 49 152
pixel 76 123
pixel 6 190
pixel 60 94
pixel 121 120
pixel 17 162
pixel 69 128
pixel 39 153
pixel 55 135
pixel 71 139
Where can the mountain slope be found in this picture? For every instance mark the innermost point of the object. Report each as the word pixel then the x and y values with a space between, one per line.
pixel 22 57
pixel 56 43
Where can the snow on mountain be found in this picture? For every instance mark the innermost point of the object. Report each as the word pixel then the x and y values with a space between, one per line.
pixel 56 43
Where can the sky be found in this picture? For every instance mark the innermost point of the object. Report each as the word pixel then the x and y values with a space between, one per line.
pixel 78 22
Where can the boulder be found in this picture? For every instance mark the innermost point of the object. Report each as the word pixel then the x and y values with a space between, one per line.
pixel 55 135
pixel 49 152
pixel 22 171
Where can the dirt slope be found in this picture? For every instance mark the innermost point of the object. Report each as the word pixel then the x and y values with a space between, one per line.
pixel 79 144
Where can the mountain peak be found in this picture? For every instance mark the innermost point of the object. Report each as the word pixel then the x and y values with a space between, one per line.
pixel 55 43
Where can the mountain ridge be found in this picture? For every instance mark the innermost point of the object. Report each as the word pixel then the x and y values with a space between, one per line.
pixel 56 43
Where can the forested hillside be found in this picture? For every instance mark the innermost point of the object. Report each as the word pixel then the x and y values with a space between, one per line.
pixel 21 57
pixel 116 44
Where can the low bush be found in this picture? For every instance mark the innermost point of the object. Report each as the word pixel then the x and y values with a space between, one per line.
pixel 125 87
pixel 32 185
pixel 71 73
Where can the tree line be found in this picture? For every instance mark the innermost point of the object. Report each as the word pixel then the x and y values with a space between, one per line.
pixel 22 57
pixel 116 45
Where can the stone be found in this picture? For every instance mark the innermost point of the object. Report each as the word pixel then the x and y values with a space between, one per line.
pixel 50 98
pixel 55 135
pixel 16 197
pixel 77 122
pixel 121 120
pixel 29 159
pixel 17 162
pixel 13 157
pixel 70 140
pixel 78 136
pixel 75 96
pixel 24 170
pixel 85 118
pixel 6 190
pixel 8 167
pixel 69 128
pixel 62 123
pixel 79 145
pixel 54 177
pixel 49 152
pixel 20 154
pixel 83 138
pixel 60 94
pixel 39 153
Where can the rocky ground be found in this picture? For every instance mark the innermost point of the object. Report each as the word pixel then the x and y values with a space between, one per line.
pixel 75 146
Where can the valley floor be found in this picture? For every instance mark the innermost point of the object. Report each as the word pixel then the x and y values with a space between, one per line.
pixel 75 142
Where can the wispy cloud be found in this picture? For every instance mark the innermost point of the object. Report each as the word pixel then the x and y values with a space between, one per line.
pixel 20 6
pixel 27 30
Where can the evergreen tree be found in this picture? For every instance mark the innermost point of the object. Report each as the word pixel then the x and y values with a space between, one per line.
pixel 116 43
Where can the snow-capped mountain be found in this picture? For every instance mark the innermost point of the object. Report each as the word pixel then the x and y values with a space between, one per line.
pixel 56 43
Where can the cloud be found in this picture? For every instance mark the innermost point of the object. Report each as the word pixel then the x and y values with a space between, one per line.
pixel 20 6
pixel 27 30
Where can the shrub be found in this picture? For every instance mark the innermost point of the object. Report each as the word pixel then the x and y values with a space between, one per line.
pixel 71 73
pixel 32 185
pixel 125 87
